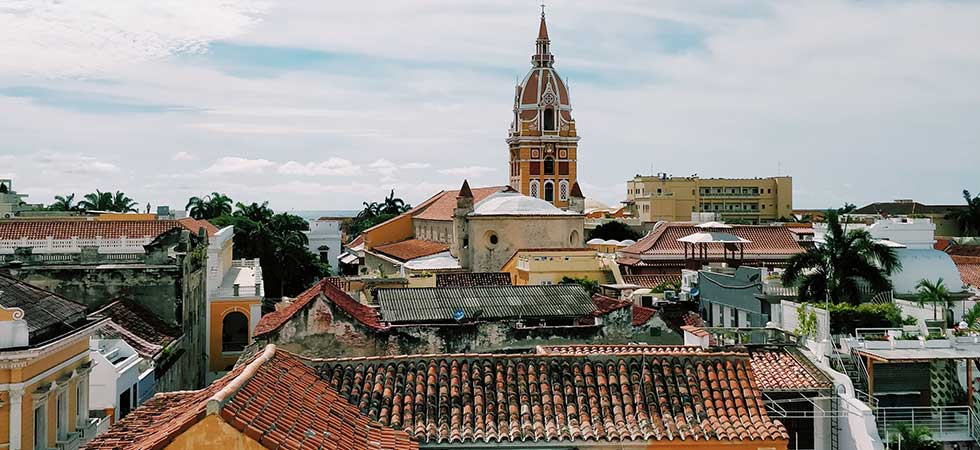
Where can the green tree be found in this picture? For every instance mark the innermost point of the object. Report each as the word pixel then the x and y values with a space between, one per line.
pixel 614 230
pixel 107 201
pixel 591 286
pixel 834 270
pixel 209 207
pixel 915 438
pixel 934 293
pixel 393 205
pixel 968 219
pixel 64 203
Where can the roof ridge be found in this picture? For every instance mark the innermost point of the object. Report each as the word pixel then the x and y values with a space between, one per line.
pixel 225 394
pixel 350 359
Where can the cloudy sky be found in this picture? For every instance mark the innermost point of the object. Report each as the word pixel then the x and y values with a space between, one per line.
pixel 321 105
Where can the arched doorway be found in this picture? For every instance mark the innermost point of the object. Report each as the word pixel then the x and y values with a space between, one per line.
pixel 549 191
pixel 234 332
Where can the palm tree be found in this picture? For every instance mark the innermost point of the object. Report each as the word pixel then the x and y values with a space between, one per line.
pixel 967 218
pixel 935 293
pixel 254 211
pixel 915 438
pixel 834 270
pixel 394 205
pixel 122 203
pixel 64 203
pixel 209 207
pixel 370 210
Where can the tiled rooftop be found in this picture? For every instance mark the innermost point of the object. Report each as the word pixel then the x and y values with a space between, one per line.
pixel 357 311
pixel 613 349
pixel 411 249
pixel 969 267
pixel 274 399
pixel 642 315
pixel 484 302
pixel 141 329
pixel 765 241
pixel 45 312
pixel 453 399
pixel 964 250
pixel 652 281
pixel 472 279
pixel 90 229
pixel 441 206
pixel 779 370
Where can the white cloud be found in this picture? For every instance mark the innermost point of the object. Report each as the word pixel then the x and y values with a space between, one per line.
pixel 416 166
pixel 183 156
pixel 236 165
pixel 74 164
pixel 332 166
pixel 468 171
pixel 93 37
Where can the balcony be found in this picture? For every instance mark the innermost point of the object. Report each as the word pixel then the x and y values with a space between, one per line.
pixel 730 194
pixel 72 442
pixel 946 423
pixel 243 279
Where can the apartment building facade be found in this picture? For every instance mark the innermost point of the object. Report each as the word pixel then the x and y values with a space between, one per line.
pixel 745 200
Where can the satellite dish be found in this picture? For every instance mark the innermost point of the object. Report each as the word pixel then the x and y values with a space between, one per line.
pixel 458 315
pixel 695 292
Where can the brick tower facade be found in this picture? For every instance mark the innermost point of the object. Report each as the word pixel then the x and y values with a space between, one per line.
pixel 542 140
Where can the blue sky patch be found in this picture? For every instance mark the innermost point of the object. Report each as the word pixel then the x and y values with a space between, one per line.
pixel 86 102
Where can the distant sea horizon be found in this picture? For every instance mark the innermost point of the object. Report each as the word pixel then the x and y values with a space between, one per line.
pixel 313 214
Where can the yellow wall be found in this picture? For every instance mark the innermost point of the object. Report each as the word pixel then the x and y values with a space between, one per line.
pixel 34 368
pixel 394 230
pixel 553 266
pixel 219 309
pixel 213 433
pixel 122 216
pixel 675 198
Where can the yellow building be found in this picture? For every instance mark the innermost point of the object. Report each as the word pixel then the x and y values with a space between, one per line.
pixel 549 266
pixel 44 369
pixel 542 139
pixel 235 294
pixel 675 199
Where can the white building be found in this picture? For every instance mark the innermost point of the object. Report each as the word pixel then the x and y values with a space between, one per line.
pixel 325 238
pixel 121 379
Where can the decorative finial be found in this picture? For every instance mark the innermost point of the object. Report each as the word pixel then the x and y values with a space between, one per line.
pixel 542 9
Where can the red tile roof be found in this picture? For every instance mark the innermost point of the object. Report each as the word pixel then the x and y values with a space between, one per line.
pixel 90 229
pixel 778 370
pixel 613 349
pixel 642 315
pixel 459 399
pixel 274 399
pixel 652 281
pixel 605 305
pixel 361 313
pixel 194 225
pixel 441 205
pixel 765 241
pixel 410 249
pixel 141 329
pixel 969 267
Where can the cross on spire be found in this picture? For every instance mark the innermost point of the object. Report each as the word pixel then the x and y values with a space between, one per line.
pixel 542 9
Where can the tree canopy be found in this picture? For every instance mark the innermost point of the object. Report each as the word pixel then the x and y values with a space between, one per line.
pixel 614 230
pixel 106 201
pixel 836 269
pixel 968 219
pixel 209 206
pixel 375 213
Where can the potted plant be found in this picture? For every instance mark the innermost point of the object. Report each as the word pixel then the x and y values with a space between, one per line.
pixel 907 340
pixel 937 340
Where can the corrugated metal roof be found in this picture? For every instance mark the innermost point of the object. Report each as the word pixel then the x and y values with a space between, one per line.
pixel 43 310
pixel 400 305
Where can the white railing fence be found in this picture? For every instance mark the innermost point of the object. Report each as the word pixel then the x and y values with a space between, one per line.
pixel 946 423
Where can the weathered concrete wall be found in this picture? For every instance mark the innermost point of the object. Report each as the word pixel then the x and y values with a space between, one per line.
pixel 515 233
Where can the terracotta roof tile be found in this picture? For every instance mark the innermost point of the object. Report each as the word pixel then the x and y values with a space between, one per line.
pixel 642 315
pixel 765 241
pixel 89 229
pixel 194 225
pixel 605 305
pixel 411 248
pixel 472 279
pixel 460 399
pixel 441 206
pixel 47 314
pixel 613 349
pixel 778 369
pixel 652 281
pixel 361 313
pixel 274 399
pixel 964 250
pixel 141 329
pixel 969 267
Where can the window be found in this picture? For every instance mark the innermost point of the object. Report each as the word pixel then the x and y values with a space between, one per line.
pixel 40 427
pixel 573 240
pixel 563 190
pixel 81 403
pixel 549 191
pixel 62 418
pixel 533 191
pixel 492 239
pixel 549 166
pixel 125 405
pixel 549 119
pixel 234 332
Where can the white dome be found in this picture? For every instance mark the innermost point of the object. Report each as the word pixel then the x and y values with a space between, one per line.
pixel 929 264
pixel 595 241
pixel 627 242
pixel 510 203
pixel 611 242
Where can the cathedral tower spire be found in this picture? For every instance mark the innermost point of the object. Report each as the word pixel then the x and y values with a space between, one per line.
pixel 543 141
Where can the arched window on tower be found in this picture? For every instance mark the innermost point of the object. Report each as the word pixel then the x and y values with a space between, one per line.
pixel 533 191
pixel 549 166
pixel 234 332
pixel 563 190
pixel 549 119
pixel 549 191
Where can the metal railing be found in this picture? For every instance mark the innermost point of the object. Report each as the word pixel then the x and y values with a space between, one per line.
pixel 71 442
pixel 946 423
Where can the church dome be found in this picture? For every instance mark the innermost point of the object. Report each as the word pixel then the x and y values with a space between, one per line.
pixel 542 88
pixel 510 203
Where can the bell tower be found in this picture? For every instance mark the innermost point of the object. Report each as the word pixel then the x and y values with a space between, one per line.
pixel 542 140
